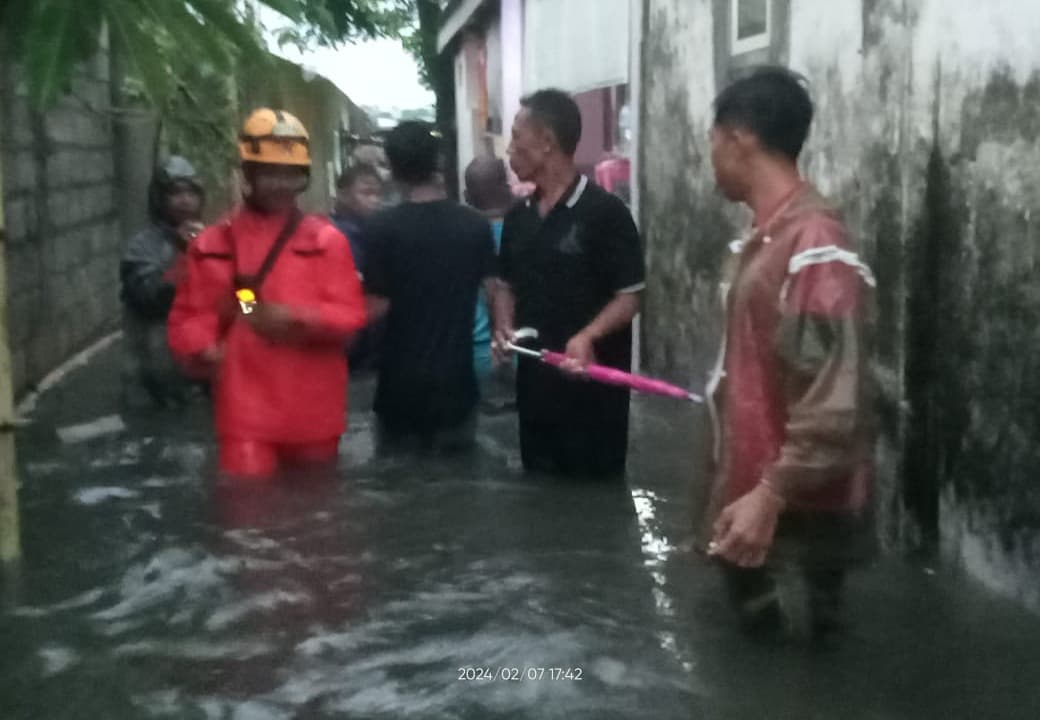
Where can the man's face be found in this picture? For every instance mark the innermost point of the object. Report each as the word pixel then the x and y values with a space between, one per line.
pixel 183 203
pixel 728 160
pixel 362 197
pixel 530 146
pixel 275 187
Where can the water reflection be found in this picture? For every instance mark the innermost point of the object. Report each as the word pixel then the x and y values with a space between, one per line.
pixel 656 552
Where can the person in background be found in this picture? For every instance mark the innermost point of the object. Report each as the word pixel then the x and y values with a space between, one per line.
pixel 793 458
pixel 374 155
pixel 150 268
pixel 359 193
pixel 572 268
pixel 427 260
pixel 269 298
pixel 487 190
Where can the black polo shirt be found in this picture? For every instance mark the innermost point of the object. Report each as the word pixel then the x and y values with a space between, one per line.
pixel 564 269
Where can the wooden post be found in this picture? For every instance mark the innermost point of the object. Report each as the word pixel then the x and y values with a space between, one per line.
pixel 10 544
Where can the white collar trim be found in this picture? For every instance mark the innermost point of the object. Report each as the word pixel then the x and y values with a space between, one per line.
pixel 583 182
pixel 579 190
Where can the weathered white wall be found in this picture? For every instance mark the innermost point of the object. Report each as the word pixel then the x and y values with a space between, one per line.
pixel 512 29
pixel 466 142
pixel 684 225
pixel 577 45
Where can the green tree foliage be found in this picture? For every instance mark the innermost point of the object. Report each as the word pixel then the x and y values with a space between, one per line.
pixel 176 59
pixel 48 38
pixel 334 20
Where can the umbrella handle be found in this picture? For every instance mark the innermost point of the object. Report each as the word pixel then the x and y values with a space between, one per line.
pixel 537 354
pixel 613 376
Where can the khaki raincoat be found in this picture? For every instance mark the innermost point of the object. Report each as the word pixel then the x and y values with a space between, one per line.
pixel 789 394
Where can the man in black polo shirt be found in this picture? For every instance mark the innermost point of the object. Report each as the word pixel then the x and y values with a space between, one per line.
pixel 427 259
pixel 572 267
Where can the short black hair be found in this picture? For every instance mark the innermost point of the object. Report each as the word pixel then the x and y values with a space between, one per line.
pixel 557 111
pixel 487 184
pixel 413 150
pixel 354 173
pixel 773 103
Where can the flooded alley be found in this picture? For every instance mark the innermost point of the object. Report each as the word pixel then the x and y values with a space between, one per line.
pixel 403 586
pixel 819 218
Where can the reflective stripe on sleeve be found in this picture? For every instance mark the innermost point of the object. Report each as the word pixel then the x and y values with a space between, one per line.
pixel 820 256
pixel 826 254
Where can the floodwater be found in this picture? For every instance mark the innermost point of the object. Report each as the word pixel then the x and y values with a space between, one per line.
pixel 435 588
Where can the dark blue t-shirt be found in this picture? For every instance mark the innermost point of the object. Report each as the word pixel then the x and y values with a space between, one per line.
pixel 354 228
pixel 429 260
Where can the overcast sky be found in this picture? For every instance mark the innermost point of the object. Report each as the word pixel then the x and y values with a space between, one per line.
pixel 378 73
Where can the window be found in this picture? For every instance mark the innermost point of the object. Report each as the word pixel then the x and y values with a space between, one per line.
pixel 749 33
pixel 751 25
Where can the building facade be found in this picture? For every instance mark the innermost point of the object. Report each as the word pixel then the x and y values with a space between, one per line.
pixel 504 49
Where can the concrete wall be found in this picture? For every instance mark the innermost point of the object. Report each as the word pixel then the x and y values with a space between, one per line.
pixel 927 137
pixel 512 32
pixel 594 142
pixel 470 134
pixel 504 23
pixel 63 232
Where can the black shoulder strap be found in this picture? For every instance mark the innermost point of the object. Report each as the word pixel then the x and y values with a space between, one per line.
pixel 253 282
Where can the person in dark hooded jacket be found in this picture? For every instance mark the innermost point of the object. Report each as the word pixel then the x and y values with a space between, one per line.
pixel 149 272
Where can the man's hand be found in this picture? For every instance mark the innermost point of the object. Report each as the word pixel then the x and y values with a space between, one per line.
pixel 580 353
pixel 744 530
pixel 274 322
pixel 187 231
pixel 213 355
pixel 206 364
pixel 500 343
pixel 503 313
pixel 376 308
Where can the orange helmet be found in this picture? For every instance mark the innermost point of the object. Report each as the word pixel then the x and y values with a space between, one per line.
pixel 274 137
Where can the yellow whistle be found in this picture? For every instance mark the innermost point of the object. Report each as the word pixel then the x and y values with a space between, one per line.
pixel 246 300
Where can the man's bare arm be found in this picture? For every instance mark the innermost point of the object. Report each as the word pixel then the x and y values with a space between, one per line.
pixel 503 308
pixel 617 315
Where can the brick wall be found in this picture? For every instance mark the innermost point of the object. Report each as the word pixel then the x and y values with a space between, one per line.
pixel 63 231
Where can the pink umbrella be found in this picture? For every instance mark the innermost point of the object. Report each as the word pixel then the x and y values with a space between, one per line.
pixel 602 373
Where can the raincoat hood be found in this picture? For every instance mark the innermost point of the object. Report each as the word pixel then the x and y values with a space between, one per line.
pixel 175 169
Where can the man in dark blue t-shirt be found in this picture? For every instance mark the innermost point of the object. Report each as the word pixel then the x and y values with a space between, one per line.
pixel 359 193
pixel 427 259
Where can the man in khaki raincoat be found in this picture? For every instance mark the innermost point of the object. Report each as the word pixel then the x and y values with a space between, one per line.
pixel 793 445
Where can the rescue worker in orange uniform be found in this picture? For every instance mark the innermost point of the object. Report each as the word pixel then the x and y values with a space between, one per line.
pixel 269 297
